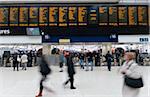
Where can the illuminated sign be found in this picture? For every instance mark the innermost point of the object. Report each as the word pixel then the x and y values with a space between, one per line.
pixel 53 16
pixel 43 16
pixel 4 16
pixel 13 19
pixel 23 16
pixel 33 16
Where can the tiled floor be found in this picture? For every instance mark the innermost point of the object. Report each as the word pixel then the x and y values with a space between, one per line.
pixel 97 83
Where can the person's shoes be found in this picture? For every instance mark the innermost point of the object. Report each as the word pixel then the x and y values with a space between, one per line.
pixel 72 87
pixel 61 71
pixel 38 96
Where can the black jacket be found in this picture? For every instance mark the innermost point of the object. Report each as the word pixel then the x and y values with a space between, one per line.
pixel 44 67
pixel 71 70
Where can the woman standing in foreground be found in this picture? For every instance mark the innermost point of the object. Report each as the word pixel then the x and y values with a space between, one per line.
pixel 131 69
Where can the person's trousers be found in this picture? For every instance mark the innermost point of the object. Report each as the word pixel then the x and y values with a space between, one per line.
pixel 41 82
pixel 16 65
pixel 24 66
pixel 109 66
pixel 71 79
pixel 82 63
pixel 90 63
pixel 61 64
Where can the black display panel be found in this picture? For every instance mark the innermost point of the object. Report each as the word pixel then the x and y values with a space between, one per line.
pixel 122 13
pixel 93 16
pixel 74 19
pixel 113 16
pixel 103 15
pixel 73 16
pixel 53 16
pixel 23 16
pixel 43 16
pixel 4 12
pixel 132 14
pixel 142 16
pixel 33 16
pixel 13 16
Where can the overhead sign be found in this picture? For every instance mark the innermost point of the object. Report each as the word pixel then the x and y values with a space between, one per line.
pixel 59 1
pixel 76 19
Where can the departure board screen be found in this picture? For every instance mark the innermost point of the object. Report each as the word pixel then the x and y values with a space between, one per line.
pixel 23 16
pixel 132 13
pixel 72 18
pixel 33 15
pixel 103 15
pixel 122 11
pixel 4 16
pixel 63 15
pixel 93 18
pixel 13 19
pixel 142 15
pixel 43 16
pixel 82 15
pixel 53 16
pixel 76 19
pixel 113 18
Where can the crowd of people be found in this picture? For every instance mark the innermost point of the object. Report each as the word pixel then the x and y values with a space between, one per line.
pixel 20 59
pixel 87 60
pixel 130 70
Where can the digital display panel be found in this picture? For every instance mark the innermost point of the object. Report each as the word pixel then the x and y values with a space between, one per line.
pixel 132 13
pixel 72 17
pixel 4 16
pixel 103 15
pixel 23 16
pixel 53 16
pixel 122 11
pixel 113 19
pixel 13 16
pixel 33 16
pixel 142 15
pixel 43 16
pixel 82 15
pixel 93 16
pixel 63 16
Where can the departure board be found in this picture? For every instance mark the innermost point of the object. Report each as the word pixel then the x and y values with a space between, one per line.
pixel 142 16
pixel 93 16
pixel 72 18
pixel 23 16
pixel 13 16
pixel 4 16
pixel 63 15
pixel 82 15
pixel 122 11
pixel 113 17
pixel 103 15
pixel 53 16
pixel 43 16
pixel 132 13
pixel 33 16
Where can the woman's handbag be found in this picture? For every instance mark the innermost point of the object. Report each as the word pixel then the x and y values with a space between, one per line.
pixel 134 83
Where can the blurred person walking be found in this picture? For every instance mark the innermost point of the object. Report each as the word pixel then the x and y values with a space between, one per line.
pixel 61 61
pixel 15 62
pixel 71 71
pixel 44 70
pixel 108 60
pixel 24 61
pixel 89 61
pixel 132 76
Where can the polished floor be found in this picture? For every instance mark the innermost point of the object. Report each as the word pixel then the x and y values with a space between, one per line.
pixel 97 83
